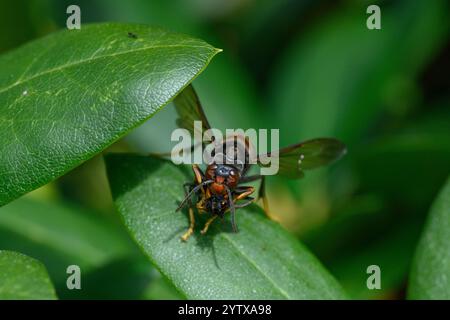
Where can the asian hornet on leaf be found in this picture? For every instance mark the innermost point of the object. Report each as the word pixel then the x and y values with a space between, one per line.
pixel 221 188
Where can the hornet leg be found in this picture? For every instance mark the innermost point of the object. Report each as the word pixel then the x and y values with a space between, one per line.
pixel 261 193
pixel 246 191
pixel 207 224
pixel 189 232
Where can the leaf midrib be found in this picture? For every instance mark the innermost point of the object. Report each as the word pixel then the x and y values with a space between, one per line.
pixel 68 65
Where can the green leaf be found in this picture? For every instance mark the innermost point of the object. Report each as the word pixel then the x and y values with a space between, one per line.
pixel 66 97
pixel 22 277
pixel 221 264
pixel 430 274
pixel 238 97
pixel 60 235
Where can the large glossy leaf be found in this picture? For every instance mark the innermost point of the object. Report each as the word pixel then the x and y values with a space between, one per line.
pixel 66 97
pixel 430 274
pixel 22 277
pixel 261 261
pixel 230 106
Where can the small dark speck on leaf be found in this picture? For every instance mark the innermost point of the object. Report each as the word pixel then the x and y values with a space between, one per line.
pixel 132 35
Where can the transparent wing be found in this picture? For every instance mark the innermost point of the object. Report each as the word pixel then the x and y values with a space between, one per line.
pixel 293 160
pixel 189 109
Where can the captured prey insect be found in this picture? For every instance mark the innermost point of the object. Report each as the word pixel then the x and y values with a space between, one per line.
pixel 220 188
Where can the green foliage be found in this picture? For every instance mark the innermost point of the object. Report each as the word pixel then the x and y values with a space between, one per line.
pixel 60 235
pixel 261 262
pixel 369 227
pixel 430 274
pixel 68 96
pixel 221 102
pixel 335 79
pixel 366 87
pixel 22 277
pixel 421 150
pixel 308 68
pixel 161 289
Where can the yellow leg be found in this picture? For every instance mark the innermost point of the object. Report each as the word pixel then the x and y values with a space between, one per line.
pixel 207 224
pixel 189 232
pixel 248 191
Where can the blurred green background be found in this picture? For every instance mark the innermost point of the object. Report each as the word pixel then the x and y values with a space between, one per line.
pixel 309 68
